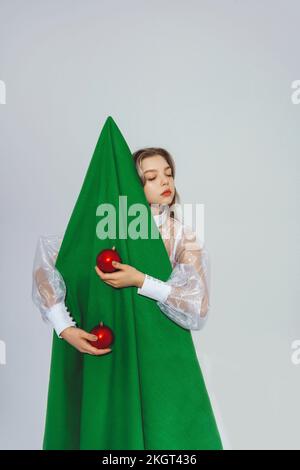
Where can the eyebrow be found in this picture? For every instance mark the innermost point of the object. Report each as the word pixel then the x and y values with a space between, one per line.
pixel 166 168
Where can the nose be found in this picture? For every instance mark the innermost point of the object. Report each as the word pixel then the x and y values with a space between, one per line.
pixel 164 180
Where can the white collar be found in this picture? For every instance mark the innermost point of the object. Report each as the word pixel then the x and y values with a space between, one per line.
pixel 161 218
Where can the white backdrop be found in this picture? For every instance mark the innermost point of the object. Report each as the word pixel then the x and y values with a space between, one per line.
pixel 211 82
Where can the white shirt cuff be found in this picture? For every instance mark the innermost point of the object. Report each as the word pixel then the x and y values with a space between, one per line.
pixel 155 289
pixel 59 317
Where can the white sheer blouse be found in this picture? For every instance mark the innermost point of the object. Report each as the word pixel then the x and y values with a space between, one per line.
pixel 184 297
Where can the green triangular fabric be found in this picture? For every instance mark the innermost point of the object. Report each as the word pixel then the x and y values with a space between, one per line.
pixel 149 392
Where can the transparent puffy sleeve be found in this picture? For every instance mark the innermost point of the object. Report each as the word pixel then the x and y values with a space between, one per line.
pixel 48 286
pixel 184 297
pixel 188 301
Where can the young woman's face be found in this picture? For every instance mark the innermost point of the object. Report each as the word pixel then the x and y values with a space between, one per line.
pixel 158 178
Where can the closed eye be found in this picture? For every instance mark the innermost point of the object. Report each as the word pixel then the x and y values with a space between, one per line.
pixel 151 179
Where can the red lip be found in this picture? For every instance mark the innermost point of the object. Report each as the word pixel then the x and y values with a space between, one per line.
pixel 166 192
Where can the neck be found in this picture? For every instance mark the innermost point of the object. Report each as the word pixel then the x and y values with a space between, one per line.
pixel 160 213
pixel 158 208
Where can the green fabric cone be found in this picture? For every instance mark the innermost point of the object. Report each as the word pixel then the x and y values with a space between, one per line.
pixel 149 392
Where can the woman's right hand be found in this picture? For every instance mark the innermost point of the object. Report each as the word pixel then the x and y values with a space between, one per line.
pixel 79 339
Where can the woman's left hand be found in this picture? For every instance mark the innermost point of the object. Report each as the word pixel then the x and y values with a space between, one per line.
pixel 125 276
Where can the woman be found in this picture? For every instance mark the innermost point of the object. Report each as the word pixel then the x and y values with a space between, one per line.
pixel 147 392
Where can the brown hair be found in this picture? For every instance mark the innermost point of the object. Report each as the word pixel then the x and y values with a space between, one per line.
pixel 140 154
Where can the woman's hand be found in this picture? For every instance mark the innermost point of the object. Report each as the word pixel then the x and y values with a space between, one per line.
pixel 79 339
pixel 126 276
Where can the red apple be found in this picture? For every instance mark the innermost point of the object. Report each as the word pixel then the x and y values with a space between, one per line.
pixel 105 336
pixel 105 258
